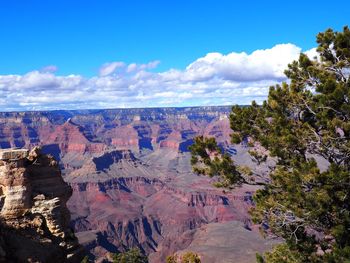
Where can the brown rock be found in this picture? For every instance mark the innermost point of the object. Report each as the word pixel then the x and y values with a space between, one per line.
pixel 34 218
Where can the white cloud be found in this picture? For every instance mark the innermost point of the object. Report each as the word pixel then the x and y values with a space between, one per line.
pixel 109 68
pixel 49 68
pixel 312 53
pixel 133 67
pixel 215 79
pixel 261 64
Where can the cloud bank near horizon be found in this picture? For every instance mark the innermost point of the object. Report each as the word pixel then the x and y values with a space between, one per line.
pixel 215 79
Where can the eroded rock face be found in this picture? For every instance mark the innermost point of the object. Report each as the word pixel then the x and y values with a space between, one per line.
pixel 91 131
pixel 153 202
pixel 131 178
pixel 34 219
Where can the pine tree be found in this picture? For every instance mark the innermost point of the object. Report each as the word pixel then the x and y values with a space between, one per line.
pixel 134 255
pixel 304 118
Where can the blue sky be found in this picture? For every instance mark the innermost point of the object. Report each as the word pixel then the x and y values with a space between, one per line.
pixel 79 38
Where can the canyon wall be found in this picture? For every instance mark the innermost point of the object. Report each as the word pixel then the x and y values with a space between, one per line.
pixel 132 181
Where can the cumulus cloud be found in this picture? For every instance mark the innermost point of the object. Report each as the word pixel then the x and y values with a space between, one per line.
pixel 49 68
pixel 133 67
pixel 267 64
pixel 109 68
pixel 214 79
pixel 312 53
pixel 120 68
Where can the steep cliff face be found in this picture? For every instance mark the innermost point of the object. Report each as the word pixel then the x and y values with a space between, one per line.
pixel 92 131
pixel 34 219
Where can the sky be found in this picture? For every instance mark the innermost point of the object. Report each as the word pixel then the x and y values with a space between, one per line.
pixel 152 53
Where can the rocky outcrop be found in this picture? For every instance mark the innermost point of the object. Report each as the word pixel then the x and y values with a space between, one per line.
pixel 34 219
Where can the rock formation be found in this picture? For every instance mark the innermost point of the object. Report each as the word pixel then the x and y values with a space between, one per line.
pixel 34 219
pixel 131 177
pixel 91 131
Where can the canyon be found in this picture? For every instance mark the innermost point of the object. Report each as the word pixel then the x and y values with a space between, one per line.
pixel 132 184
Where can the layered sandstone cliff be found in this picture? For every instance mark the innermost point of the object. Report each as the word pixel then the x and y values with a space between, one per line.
pixel 34 219
pixel 132 182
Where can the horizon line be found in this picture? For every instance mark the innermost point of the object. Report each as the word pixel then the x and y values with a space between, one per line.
pixel 126 108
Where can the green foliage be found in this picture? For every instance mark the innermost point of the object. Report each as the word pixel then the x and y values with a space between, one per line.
pixel 280 254
pixel 245 170
pixel 259 258
pixel 307 117
pixel 85 260
pixel 132 256
pixel 188 257
pixel 208 159
pixel 171 259
pixel 257 157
